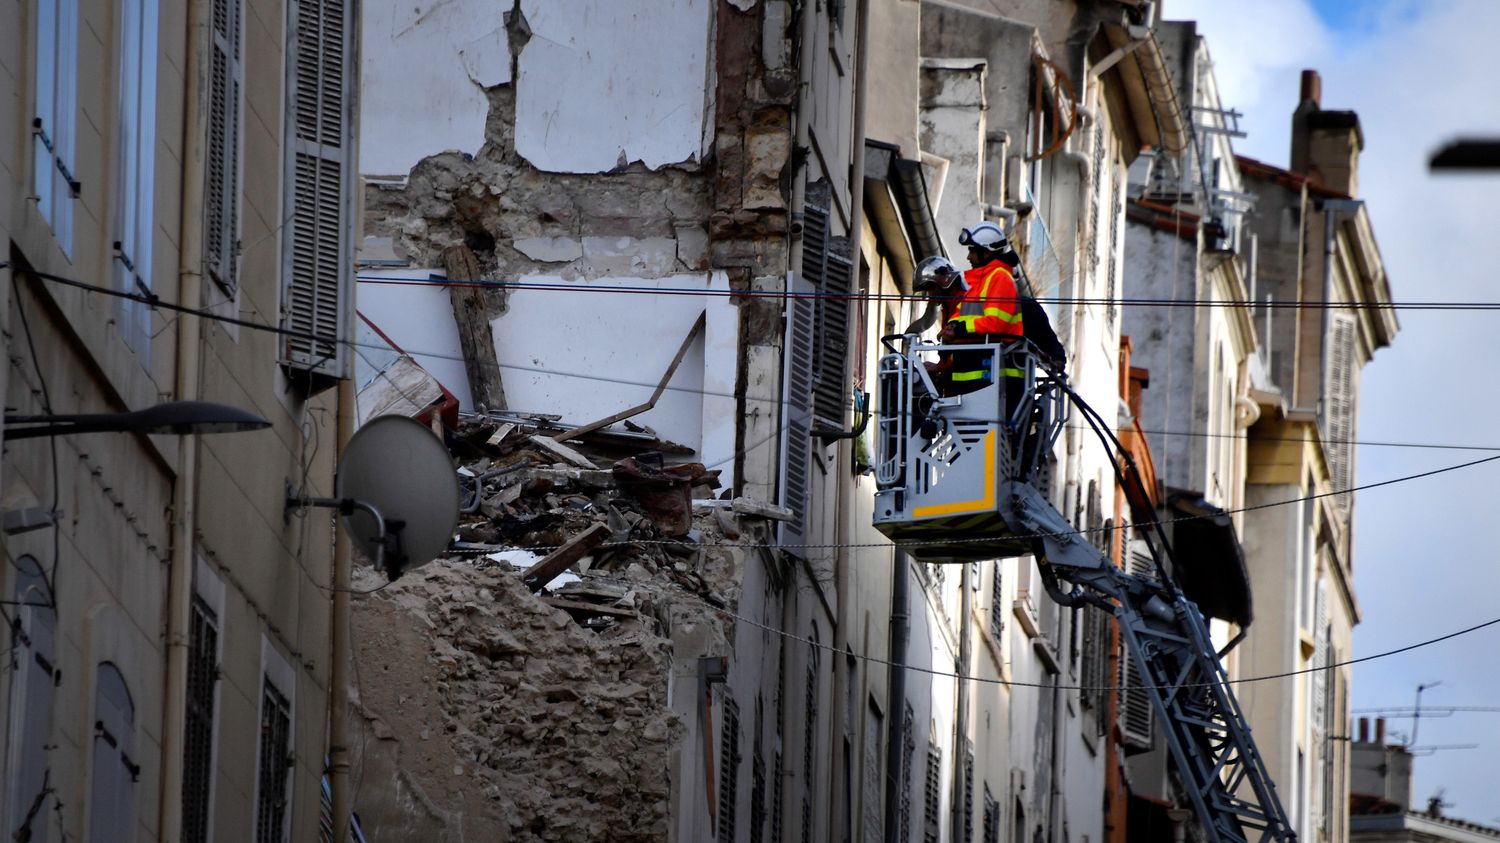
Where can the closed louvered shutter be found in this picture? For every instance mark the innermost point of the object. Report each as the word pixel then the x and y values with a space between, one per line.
pixel 317 298
pixel 797 413
pixel 221 190
pixel 1339 406
pixel 1135 703
pixel 832 277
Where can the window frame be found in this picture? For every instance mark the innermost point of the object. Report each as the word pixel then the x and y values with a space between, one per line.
pixel 135 184
pixel 55 117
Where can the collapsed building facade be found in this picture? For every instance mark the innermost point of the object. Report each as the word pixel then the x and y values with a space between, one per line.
pixel 572 206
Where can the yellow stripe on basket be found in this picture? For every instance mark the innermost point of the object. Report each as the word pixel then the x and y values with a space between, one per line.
pixel 986 502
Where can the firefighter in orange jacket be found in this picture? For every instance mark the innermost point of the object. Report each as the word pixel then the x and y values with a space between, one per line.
pixel 984 309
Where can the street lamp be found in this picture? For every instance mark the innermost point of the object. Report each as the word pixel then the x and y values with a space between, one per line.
pixel 177 417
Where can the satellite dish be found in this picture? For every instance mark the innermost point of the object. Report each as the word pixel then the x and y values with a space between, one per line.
pixel 397 467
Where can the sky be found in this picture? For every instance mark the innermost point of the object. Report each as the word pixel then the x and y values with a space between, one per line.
pixel 1418 74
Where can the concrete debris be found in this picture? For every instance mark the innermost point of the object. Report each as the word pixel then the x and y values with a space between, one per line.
pixel 536 657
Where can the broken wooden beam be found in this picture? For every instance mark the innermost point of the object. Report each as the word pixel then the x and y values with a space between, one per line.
pixel 546 570
pixel 475 336
pixel 563 452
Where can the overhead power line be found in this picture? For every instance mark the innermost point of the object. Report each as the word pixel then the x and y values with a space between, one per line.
pixel 569 287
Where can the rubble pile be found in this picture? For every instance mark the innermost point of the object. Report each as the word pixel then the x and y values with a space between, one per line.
pixel 517 689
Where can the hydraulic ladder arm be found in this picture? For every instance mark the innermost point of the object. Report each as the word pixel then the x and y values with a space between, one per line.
pixel 944 462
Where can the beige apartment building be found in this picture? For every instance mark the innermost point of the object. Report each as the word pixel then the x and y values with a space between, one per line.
pixel 166 168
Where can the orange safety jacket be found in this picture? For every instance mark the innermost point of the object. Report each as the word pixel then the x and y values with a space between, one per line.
pixel 988 310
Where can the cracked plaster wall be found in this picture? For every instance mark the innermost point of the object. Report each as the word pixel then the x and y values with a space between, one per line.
pixel 719 219
pixel 460 49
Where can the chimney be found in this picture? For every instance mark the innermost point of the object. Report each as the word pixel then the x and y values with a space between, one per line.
pixel 1312 88
pixel 1380 730
pixel 1364 730
pixel 1325 144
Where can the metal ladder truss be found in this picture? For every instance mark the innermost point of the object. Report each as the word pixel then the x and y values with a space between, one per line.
pixel 947 499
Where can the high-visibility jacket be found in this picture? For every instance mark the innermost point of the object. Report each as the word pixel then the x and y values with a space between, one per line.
pixel 988 311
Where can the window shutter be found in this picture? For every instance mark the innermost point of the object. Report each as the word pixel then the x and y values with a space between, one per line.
pixel 831 276
pixel 54 126
pixel 135 208
pixel 930 823
pixel 221 201
pixel 112 792
pixel 318 292
pixel 198 743
pixel 1339 410
pixel 729 770
pixel 797 413
pixel 1135 704
pixel 997 599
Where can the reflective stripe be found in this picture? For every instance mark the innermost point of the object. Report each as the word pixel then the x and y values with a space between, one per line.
pixel 985 373
pixel 1002 315
pixel 1013 373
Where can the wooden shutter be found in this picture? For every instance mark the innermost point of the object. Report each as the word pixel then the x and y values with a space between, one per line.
pixel 931 825
pixel 112 792
pixel 1339 408
pixel 1135 704
pixel 32 658
pixel 832 278
pixel 797 413
pixel 221 190
pixel 318 292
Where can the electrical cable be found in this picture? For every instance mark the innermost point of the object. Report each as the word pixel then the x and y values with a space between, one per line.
pixel 1278 304
pixel 1078 532
pixel 311 337
pixel 49 579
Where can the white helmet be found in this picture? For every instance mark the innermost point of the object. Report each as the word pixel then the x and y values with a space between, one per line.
pixel 985 235
pixel 935 273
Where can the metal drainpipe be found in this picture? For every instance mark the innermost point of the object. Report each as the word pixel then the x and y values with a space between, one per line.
pixel 895 704
pixel 185 490
pixel 843 486
pixel 803 140
pixel 961 715
pixel 340 650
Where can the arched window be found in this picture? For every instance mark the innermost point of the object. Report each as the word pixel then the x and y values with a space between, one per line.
pixel 111 798
pixel 33 670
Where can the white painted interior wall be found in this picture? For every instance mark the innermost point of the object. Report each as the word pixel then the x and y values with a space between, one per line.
pixel 619 80
pixel 425 65
pixel 588 352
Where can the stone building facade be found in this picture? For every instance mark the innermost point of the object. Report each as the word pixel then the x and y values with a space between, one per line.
pixel 165 167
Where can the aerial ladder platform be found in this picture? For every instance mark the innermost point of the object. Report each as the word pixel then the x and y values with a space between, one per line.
pixel 962 477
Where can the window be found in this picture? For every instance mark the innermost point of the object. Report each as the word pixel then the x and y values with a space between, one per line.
pixel 729 770
pixel 991 818
pixel 757 776
pixel 52 129
pixel 934 781
pixel 111 796
pixel 966 806
pixel 198 746
pixel 221 200
pixel 908 758
pixel 871 801
pixel 809 738
pixel 32 657
pixel 815 352
pixel 318 254
pixel 1338 409
pixel 997 600
pixel 797 415
pixel 271 814
pixel 135 204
